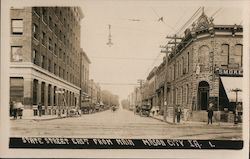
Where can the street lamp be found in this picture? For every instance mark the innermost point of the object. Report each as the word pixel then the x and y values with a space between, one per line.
pixel 236 101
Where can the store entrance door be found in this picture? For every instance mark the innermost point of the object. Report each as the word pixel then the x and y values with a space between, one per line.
pixel 203 95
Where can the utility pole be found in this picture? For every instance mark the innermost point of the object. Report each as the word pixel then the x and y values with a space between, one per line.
pixel 169 49
pixel 109 43
pixel 141 82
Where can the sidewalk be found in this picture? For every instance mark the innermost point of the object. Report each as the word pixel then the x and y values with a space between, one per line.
pixel 37 118
pixel 195 123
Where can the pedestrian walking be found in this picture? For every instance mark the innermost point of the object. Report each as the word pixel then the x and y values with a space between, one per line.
pixel 39 107
pixel 14 110
pixel 11 108
pixel 210 113
pixel 178 113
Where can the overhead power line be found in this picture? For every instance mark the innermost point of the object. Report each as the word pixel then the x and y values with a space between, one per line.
pixel 123 58
pixel 118 84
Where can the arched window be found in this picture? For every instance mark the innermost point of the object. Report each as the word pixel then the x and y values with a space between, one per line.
pixel 203 58
pixel 224 54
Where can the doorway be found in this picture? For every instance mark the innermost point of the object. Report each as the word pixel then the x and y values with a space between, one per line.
pixel 203 95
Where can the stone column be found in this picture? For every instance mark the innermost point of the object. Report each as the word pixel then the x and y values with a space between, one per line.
pixel 46 98
pixel 28 100
pixel 52 98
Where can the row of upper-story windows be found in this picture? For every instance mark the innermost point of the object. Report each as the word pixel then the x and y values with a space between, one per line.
pixel 45 63
pixel 70 25
pixel 232 55
pixel 227 57
pixel 180 67
pixel 17 56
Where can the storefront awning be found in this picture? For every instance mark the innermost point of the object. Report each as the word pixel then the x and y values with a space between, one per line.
pixel 231 85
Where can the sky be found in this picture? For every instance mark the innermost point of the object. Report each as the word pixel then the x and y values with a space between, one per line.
pixel 137 35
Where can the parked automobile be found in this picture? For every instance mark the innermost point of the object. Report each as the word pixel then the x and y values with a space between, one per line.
pixel 145 110
pixel 74 113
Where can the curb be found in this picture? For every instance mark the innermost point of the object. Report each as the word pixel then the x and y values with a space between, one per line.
pixel 163 120
pixel 49 119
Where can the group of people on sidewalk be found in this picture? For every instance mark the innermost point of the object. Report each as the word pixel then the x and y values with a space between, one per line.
pixel 210 113
pixel 16 109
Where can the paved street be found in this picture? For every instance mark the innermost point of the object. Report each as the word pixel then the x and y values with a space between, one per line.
pixel 120 124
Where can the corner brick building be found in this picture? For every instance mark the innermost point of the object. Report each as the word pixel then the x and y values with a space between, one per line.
pixel 204 67
pixel 45 58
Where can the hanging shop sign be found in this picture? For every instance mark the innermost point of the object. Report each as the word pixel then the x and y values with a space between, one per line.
pixel 229 72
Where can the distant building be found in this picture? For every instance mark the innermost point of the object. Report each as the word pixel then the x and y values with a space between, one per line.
pixel 94 91
pixel 160 85
pixel 45 58
pixel 84 77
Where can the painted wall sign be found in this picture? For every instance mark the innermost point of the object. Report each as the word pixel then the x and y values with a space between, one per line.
pixel 229 72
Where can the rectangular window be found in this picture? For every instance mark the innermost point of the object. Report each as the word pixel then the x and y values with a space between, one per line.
pixel 42 93
pixel 50 44
pixel 60 53
pixel 225 54
pixel 16 54
pixel 35 31
pixel 43 61
pixel 49 94
pixel 35 87
pixel 17 26
pixel 236 58
pixel 49 65
pixel 50 23
pixel 59 71
pixel 55 69
pixel 35 57
pixel 55 49
pixel 43 38
pixel 55 102
pixel 44 15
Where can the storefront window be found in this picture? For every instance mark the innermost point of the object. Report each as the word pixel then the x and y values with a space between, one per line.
pixel 42 93
pixel 16 89
pixel 35 87
pixel 49 94
pixel 55 96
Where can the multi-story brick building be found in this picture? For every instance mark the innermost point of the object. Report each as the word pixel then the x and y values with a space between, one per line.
pixel 149 94
pixel 205 66
pixel 45 58
pixel 160 85
pixel 84 77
